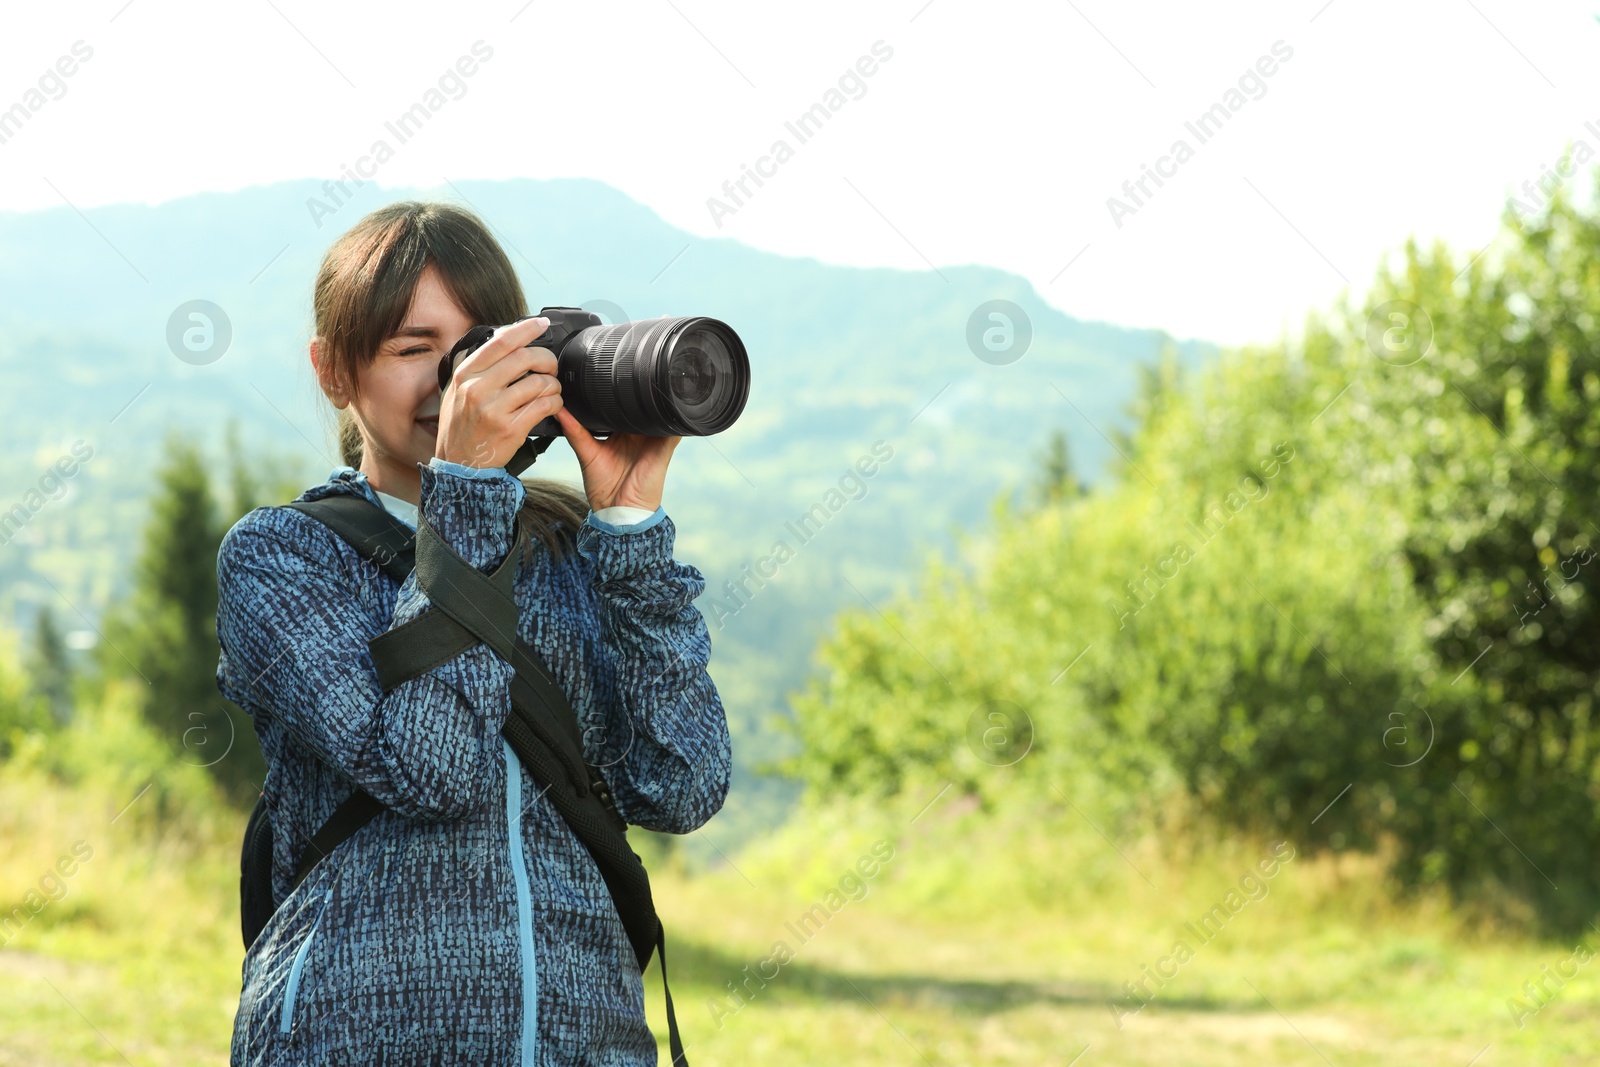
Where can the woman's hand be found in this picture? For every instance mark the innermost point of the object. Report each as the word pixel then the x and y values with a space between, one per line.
pixel 626 469
pixel 497 395
pixel 504 389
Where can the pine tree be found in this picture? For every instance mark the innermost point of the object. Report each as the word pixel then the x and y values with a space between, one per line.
pixel 1056 481
pixel 49 668
pixel 166 630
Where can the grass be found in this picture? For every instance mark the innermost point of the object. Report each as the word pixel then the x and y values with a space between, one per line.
pixel 984 939
pixel 937 966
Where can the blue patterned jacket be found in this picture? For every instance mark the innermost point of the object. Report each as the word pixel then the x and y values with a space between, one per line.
pixel 466 924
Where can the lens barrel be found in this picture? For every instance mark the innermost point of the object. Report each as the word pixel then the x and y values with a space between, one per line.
pixel 668 377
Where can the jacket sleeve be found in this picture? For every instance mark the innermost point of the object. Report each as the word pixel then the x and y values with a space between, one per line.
pixel 664 747
pixel 294 637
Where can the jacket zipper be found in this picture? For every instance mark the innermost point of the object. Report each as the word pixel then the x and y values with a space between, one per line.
pixel 519 876
pixel 293 985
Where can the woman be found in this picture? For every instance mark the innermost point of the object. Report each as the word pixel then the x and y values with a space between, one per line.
pixel 465 924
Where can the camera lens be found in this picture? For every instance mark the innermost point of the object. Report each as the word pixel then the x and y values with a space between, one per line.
pixel 699 365
pixel 666 377
pixel 692 377
pixel 662 377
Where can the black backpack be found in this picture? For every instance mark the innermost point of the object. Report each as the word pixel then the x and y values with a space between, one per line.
pixel 469 606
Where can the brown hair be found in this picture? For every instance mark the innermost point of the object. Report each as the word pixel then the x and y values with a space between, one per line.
pixel 364 289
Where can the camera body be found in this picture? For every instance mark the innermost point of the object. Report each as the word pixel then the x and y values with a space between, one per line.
pixel 666 377
pixel 564 323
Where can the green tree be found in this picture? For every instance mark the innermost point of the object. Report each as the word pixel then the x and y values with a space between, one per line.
pixel 1345 590
pixel 1504 552
pixel 21 709
pixel 49 667
pixel 166 629
pixel 1055 479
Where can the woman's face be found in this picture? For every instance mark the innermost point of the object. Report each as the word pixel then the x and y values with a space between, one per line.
pixel 397 403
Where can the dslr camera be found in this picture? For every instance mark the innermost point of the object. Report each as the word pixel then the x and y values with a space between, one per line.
pixel 668 377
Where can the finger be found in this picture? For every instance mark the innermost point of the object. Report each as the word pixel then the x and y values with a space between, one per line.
pixel 486 391
pixel 505 339
pixel 515 364
pixel 519 394
pixel 523 419
pixel 575 428
pixel 584 446
pixel 505 360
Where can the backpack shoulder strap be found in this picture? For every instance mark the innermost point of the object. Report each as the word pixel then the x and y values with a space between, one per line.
pixel 373 532
pixel 468 608
pixel 381 538
pixel 358 809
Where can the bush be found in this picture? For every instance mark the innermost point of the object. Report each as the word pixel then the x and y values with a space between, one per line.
pixel 1357 561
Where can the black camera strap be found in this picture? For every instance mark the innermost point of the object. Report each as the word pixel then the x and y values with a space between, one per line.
pixel 527 452
pixel 469 607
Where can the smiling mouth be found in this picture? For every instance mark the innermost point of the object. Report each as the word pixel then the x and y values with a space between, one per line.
pixel 429 423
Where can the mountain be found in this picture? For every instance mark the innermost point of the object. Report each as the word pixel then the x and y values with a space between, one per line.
pixel 849 365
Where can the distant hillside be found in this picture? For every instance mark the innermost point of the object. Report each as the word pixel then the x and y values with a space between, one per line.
pixel 843 358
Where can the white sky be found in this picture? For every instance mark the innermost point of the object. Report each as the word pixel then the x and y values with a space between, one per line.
pixel 993 135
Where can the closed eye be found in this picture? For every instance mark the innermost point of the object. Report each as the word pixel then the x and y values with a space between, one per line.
pixel 415 350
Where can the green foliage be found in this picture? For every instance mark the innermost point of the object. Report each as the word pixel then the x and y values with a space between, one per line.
pixel 21 711
pixel 164 635
pixel 1343 562
pixel 1056 481
pixel 1503 546
pixel 49 668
